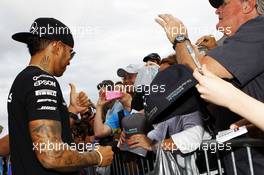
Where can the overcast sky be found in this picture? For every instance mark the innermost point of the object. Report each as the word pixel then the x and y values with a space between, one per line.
pixel 108 34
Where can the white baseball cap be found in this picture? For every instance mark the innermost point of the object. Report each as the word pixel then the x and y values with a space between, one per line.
pixel 130 69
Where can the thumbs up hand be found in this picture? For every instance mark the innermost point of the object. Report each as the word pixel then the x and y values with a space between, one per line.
pixel 78 101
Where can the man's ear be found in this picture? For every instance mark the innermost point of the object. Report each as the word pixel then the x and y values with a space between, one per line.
pixel 54 48
pixel 248 6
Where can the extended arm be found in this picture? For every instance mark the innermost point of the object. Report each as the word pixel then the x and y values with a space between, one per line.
pixel 100 129
pixel 60 157
pixel 220 92
pixel 173 27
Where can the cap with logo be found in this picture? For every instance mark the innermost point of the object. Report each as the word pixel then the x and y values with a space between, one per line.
pixel 178 97
pixel 48 28
pixel 135 124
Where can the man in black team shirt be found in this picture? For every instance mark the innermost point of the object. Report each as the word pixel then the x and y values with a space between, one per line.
pixel 240 59
pixel 39 130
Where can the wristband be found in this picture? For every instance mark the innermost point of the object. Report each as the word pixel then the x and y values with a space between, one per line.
pixel 73 116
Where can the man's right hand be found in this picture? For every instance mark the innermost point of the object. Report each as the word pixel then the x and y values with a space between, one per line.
pixel 78 101
pixel 107 155
pixel 207 41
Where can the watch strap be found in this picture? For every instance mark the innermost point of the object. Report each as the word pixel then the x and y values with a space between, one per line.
pixel 176 41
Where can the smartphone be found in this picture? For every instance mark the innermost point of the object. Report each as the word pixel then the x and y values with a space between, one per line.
pixel 111 95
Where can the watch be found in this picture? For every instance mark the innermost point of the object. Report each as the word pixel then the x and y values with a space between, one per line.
pixel 179 39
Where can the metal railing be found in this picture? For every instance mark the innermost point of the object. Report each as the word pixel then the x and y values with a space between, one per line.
pixel 209 159
pixel 241 143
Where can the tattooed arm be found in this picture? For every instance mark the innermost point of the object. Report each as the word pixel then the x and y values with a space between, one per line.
pixel 47 132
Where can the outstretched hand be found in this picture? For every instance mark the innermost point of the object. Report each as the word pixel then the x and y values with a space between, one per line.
pixel 214 89
pixel 172 26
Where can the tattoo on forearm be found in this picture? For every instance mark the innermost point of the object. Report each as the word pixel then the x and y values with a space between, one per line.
pixel 46 132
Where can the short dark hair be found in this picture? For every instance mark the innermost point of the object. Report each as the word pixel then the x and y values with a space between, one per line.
pixel 36 44
pixel 119 83
pixel 171 59
pixel 108 84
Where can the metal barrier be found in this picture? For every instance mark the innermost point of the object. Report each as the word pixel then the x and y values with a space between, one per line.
pixel 126 163
pixel 242 143
pixel 209 159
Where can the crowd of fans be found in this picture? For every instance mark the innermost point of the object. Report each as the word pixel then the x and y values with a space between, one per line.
pixel 121 116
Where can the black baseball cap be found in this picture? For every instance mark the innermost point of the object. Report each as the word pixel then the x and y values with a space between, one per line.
pixel 216 3
pixel 135 124
pixel 179 96
pixel 48 28
pixel 152 56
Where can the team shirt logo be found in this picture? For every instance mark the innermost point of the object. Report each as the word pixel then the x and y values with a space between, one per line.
pixel 46 100
pixel 45 82
pixel 51 108
pixel 46 92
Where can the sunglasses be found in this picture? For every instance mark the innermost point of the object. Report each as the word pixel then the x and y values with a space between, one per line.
pixel 72 54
